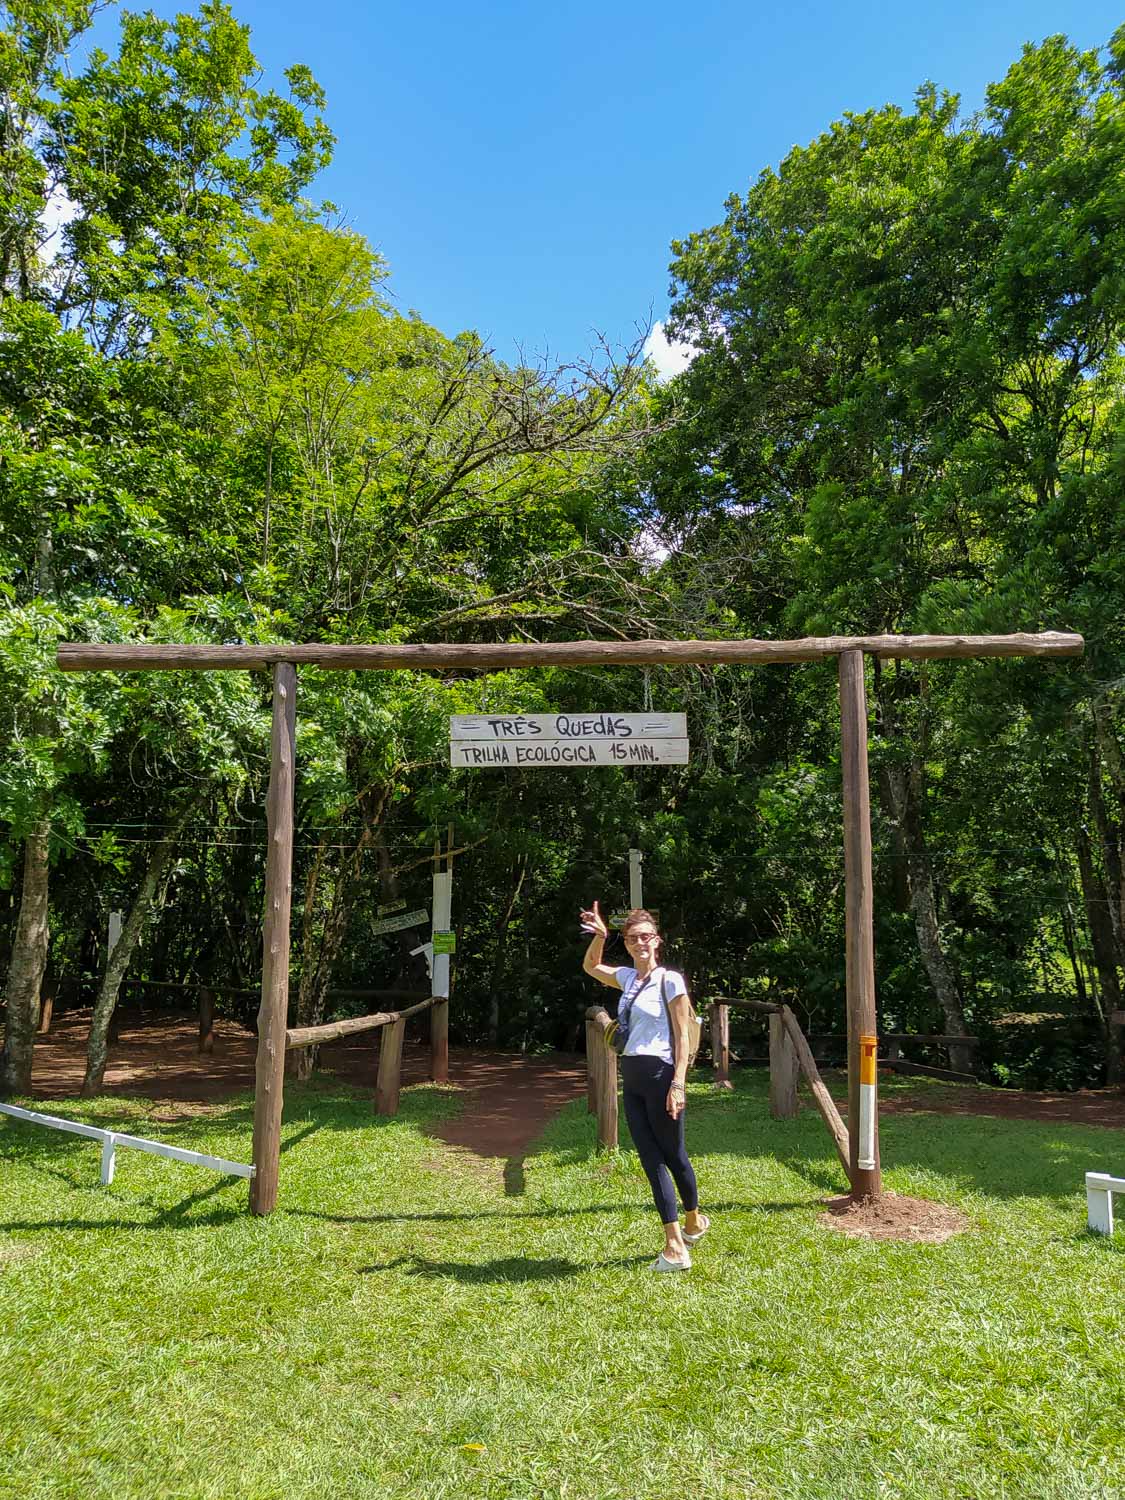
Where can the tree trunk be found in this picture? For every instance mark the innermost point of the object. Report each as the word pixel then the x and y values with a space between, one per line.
pixel 1105 953
pixel 1109 840
pixel 1114 762
pixel 901 790
pixel 318 958
pixel 147 900
pixel 499 949
pixel 902 793
pixel 28 962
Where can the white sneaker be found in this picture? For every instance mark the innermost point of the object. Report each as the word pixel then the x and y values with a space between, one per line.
pixel 662 1263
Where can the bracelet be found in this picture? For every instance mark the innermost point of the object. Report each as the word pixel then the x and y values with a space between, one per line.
pixel 675 1088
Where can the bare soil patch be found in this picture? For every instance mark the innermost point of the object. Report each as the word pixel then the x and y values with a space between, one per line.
pixel 891 1217
pixel 1085 1107
pixel 509 1098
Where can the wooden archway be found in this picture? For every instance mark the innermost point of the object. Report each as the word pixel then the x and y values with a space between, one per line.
pixel 284 660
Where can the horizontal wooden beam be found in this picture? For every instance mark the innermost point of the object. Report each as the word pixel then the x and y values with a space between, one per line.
pixel 77 657
pixel 334 1031
pixel 764 1007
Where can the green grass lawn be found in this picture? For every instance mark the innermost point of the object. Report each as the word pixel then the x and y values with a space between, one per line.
pixel 415 1322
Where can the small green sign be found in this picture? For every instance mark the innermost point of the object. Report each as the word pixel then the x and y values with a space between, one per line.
pixel 445 942
pixel 616 919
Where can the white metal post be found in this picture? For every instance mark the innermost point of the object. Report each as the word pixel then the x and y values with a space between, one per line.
pixel 636 885
pixel 442 922
pixel 109 1158
pixel 1100 1188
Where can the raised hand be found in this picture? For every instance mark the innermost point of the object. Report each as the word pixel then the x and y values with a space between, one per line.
pixel 593 922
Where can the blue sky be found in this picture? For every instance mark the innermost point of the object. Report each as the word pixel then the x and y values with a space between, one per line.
pixel 523 169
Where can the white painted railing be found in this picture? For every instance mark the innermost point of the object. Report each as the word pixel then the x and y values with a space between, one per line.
pixel 1100 1188
pixel 111 1139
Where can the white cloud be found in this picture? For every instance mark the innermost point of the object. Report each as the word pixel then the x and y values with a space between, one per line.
pixel 668 355
pixel 649 548
pixel 58 211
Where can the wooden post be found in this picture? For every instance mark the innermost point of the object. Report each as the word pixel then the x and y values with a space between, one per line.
pixel 594 1047
pixel 783 1072
pixel 819 1090
pixel 439 1042
pixel 866 1180
pixel 390 1069
pixel 603 1075
pixel 607 1103
pixel 207 1020
pixel 720 1044
pixel 272 1013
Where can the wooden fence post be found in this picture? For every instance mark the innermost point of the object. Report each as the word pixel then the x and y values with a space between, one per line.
pixel 593 1047
pixel 269 1083
pixel 866 1179
pixel 207 1020
pixel 720 1044
pixel 439 1042
pixel 784 1067
pixel 602 1075
pixel 607 1104
pixel 390 1069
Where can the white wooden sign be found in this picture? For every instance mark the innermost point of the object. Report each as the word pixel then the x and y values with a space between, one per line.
pixel 403 920
pixel 490 754
pixel 505 728
pixel 546 741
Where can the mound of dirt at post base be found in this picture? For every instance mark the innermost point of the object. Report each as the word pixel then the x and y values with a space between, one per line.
pixel 891 1217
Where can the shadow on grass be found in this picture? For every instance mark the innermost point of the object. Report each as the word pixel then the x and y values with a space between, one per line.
pixel 173 1217
pixel 638 1206
pixel 512 1268
pixel 176 1217
pixel 998 1157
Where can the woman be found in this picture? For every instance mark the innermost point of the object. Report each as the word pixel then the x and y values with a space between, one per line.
pixel 654 1011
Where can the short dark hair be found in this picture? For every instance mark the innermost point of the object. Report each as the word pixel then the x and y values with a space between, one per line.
pixel 636 917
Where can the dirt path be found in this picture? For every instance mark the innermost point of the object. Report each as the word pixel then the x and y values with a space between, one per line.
pixel 1086 1107
pixel 508 1098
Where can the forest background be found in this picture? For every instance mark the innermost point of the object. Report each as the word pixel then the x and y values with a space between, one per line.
pixel 905 413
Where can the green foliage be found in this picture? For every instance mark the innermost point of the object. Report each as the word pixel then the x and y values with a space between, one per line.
pixel 906 415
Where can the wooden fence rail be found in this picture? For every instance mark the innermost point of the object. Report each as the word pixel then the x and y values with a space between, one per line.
pixel 388 1083
pixel 333 1031
pixel 789 1052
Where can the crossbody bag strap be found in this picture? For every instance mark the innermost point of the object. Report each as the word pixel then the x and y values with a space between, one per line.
pixel 668 1014
pixel 627 999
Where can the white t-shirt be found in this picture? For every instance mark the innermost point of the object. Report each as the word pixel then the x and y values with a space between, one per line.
pixel 649 1033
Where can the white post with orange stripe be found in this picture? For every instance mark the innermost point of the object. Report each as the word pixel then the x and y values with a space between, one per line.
pixel 868 1101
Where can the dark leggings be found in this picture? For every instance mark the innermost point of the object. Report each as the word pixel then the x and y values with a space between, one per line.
pixel 658 1138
